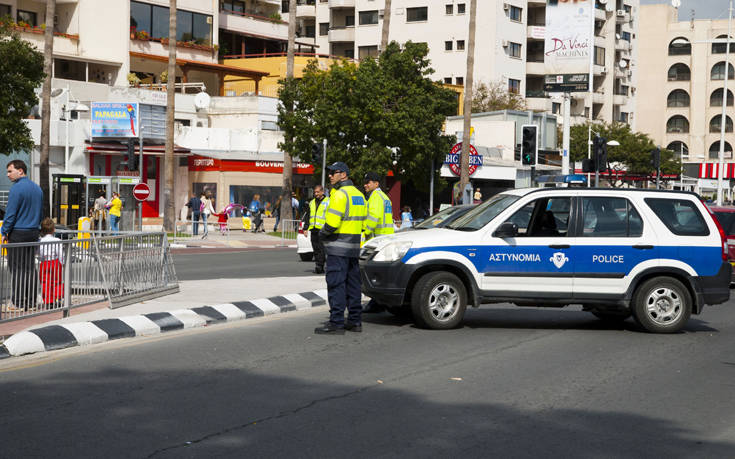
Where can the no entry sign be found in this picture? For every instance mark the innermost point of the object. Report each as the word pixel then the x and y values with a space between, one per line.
pixel 141 191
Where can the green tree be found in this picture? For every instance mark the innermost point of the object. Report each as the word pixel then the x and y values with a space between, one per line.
pixel 633 156
pixel 495 96
pixel 380 115
pixel 21 71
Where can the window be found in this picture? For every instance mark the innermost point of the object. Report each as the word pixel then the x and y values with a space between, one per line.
pixel 417 14
pixel 4 10
pixel 721 48
pixel 543 217
pixel 191 27
pixel 350 53
pixel 481 215
pixel 449 9
pixel 515 14
pixel 677 124
pixel 447 80
pixel 715 124
pixel 678 98
pixel 448 45
pixel 715 100
pixel 514 50
pixel 310 31
pixel 610 217
pixel 555 108
pixel 368 17
pixel 349 21
pixel 460 8
pixel 714 150
pixel 623 117
pixel 680 148
pixel 514 86
pixel 679 72
pixel 718 71
pixel 681 217
pixel 268 125
pixel 367 51
pixel 459 81
pixel 29 17
pixel 625 36
pixel 238 6
pixel 680 47
pixel 460 45
pixel 599 55
pixel 70 70
pixel 284 6
pixel 323 28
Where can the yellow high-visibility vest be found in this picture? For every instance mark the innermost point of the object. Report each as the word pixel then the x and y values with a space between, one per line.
pixel 317 215
pixel 379 220
pixel 345 216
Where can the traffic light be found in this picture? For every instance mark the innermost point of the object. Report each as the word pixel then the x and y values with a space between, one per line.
pixel 529 147
pixel 316 153
pixel 129 155
pixel 600 154
pixel 656 158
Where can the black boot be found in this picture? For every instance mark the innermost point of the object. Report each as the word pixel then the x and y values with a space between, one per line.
pixel 329 329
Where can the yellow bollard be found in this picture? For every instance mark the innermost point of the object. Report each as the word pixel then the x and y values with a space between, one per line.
pixel 84 228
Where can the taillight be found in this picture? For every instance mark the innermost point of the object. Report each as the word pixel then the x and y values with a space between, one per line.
pixel 723 236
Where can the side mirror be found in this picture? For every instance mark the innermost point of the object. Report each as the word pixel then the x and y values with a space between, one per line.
pixel 506 229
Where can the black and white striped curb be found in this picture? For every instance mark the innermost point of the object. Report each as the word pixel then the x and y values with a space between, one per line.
pixel 53 337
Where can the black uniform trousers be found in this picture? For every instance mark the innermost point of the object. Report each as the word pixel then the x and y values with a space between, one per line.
pixel 318 247
pixel 22 264
pixel 343 290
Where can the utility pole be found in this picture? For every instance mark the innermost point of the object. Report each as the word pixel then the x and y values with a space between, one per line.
pixel 386 26
pixel 721 163
pixel 464 162
pixel 324 160
pixel 48 60
pixel 169 209
pixel 286 209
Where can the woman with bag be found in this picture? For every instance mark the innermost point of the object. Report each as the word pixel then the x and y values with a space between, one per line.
pixel 206 210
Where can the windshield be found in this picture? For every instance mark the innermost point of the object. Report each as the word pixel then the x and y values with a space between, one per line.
pixel 482 214
pixel 439 217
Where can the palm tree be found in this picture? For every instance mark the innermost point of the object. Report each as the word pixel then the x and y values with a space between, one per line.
pixel 286 210
pixel 386 26
pixel 48 53
pixel 464 177
pixel 169 211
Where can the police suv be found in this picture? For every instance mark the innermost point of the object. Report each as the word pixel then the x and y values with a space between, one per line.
pixel 657 255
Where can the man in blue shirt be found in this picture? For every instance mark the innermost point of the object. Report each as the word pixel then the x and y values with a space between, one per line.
pixel 21 224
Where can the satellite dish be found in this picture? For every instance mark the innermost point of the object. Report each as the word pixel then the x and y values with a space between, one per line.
pixel 622 64
pixel 202 100
pixel 617 36
pixel 676 3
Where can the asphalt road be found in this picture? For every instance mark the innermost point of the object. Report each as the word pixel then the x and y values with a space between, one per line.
pixel 511 383
pixel 243 264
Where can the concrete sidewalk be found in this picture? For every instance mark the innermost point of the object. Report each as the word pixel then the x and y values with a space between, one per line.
pixel 233 239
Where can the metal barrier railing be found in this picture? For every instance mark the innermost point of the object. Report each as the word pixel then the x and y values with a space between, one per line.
pixel 43 277
pixel 289 230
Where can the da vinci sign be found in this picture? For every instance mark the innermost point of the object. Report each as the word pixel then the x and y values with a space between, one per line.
pixel 568 45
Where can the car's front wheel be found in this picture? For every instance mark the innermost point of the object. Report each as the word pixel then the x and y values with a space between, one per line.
pixel 438 301
pixel 662 305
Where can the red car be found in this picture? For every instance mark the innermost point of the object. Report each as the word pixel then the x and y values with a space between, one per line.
pixel 726 217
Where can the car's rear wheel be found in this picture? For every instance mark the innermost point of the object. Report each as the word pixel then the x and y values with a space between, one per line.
pixel 662 305
pixel 438 301
pixel 306 256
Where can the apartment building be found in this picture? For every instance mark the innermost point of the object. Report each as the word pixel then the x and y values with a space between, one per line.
pixel 509 45
pixel 681 86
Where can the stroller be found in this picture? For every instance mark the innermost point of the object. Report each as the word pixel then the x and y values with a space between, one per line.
pixel 257 218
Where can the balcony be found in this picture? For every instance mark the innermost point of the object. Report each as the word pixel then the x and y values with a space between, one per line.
pixel 341 3
pixel 598 97
pixel 619 99
pixel 65 44
pixel 342 34
pixel 249 24
pixel 305 11
pixel 600 15
pixel 535 68
pixel 159 47
pixel 536 32
pixel 621 18
pixel 622 45
pixel 599 70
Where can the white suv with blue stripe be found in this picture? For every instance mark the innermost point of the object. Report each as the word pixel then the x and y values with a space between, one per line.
pixel 659 256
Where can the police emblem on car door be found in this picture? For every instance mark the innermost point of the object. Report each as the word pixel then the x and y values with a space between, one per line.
pixel 536 260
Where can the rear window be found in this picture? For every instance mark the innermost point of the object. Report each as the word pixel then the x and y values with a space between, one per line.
pixel 680 216
pixel 727 220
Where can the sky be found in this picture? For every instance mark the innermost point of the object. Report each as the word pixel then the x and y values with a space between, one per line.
pixel 703 9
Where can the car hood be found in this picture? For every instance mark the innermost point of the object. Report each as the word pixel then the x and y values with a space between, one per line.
pixel 419 238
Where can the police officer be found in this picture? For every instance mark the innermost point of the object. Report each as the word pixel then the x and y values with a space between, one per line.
pixel 317 215
pixel 379 220
pixel 341 233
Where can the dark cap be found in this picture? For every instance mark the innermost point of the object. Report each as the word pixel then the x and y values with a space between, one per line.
pixel 372 177
pixel 339 166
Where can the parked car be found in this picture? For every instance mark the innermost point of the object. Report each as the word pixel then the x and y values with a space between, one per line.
pixel 726 216
pixel 659 256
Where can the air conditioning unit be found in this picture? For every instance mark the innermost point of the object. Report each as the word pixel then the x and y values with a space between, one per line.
pixel 381 13
pixel 505 43
pixel 621 13
pixel 506 6
pixel 604 70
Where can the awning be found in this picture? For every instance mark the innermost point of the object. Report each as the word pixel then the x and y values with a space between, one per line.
pixel 187 64
pixel 711 170
pixel 121 149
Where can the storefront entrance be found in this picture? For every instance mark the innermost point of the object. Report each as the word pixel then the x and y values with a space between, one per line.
pixel 111 165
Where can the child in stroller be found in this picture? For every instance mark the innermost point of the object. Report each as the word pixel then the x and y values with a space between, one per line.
pixel 256 211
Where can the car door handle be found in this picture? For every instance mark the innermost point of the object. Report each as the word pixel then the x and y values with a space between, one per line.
pixel 559 246
pixel 642 246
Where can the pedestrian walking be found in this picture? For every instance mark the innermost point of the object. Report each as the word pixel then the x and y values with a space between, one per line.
pixel 406 218
pixel 195 204
pixel 277 213
pixel 379 221
pixel 294 206
pixel 50 254
pixel 206 210
pixel 222 218
pixel 256 210
pixel 100 210
pixel 341 234
pixel 115 206
pixel 317 217
pixel 20 224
